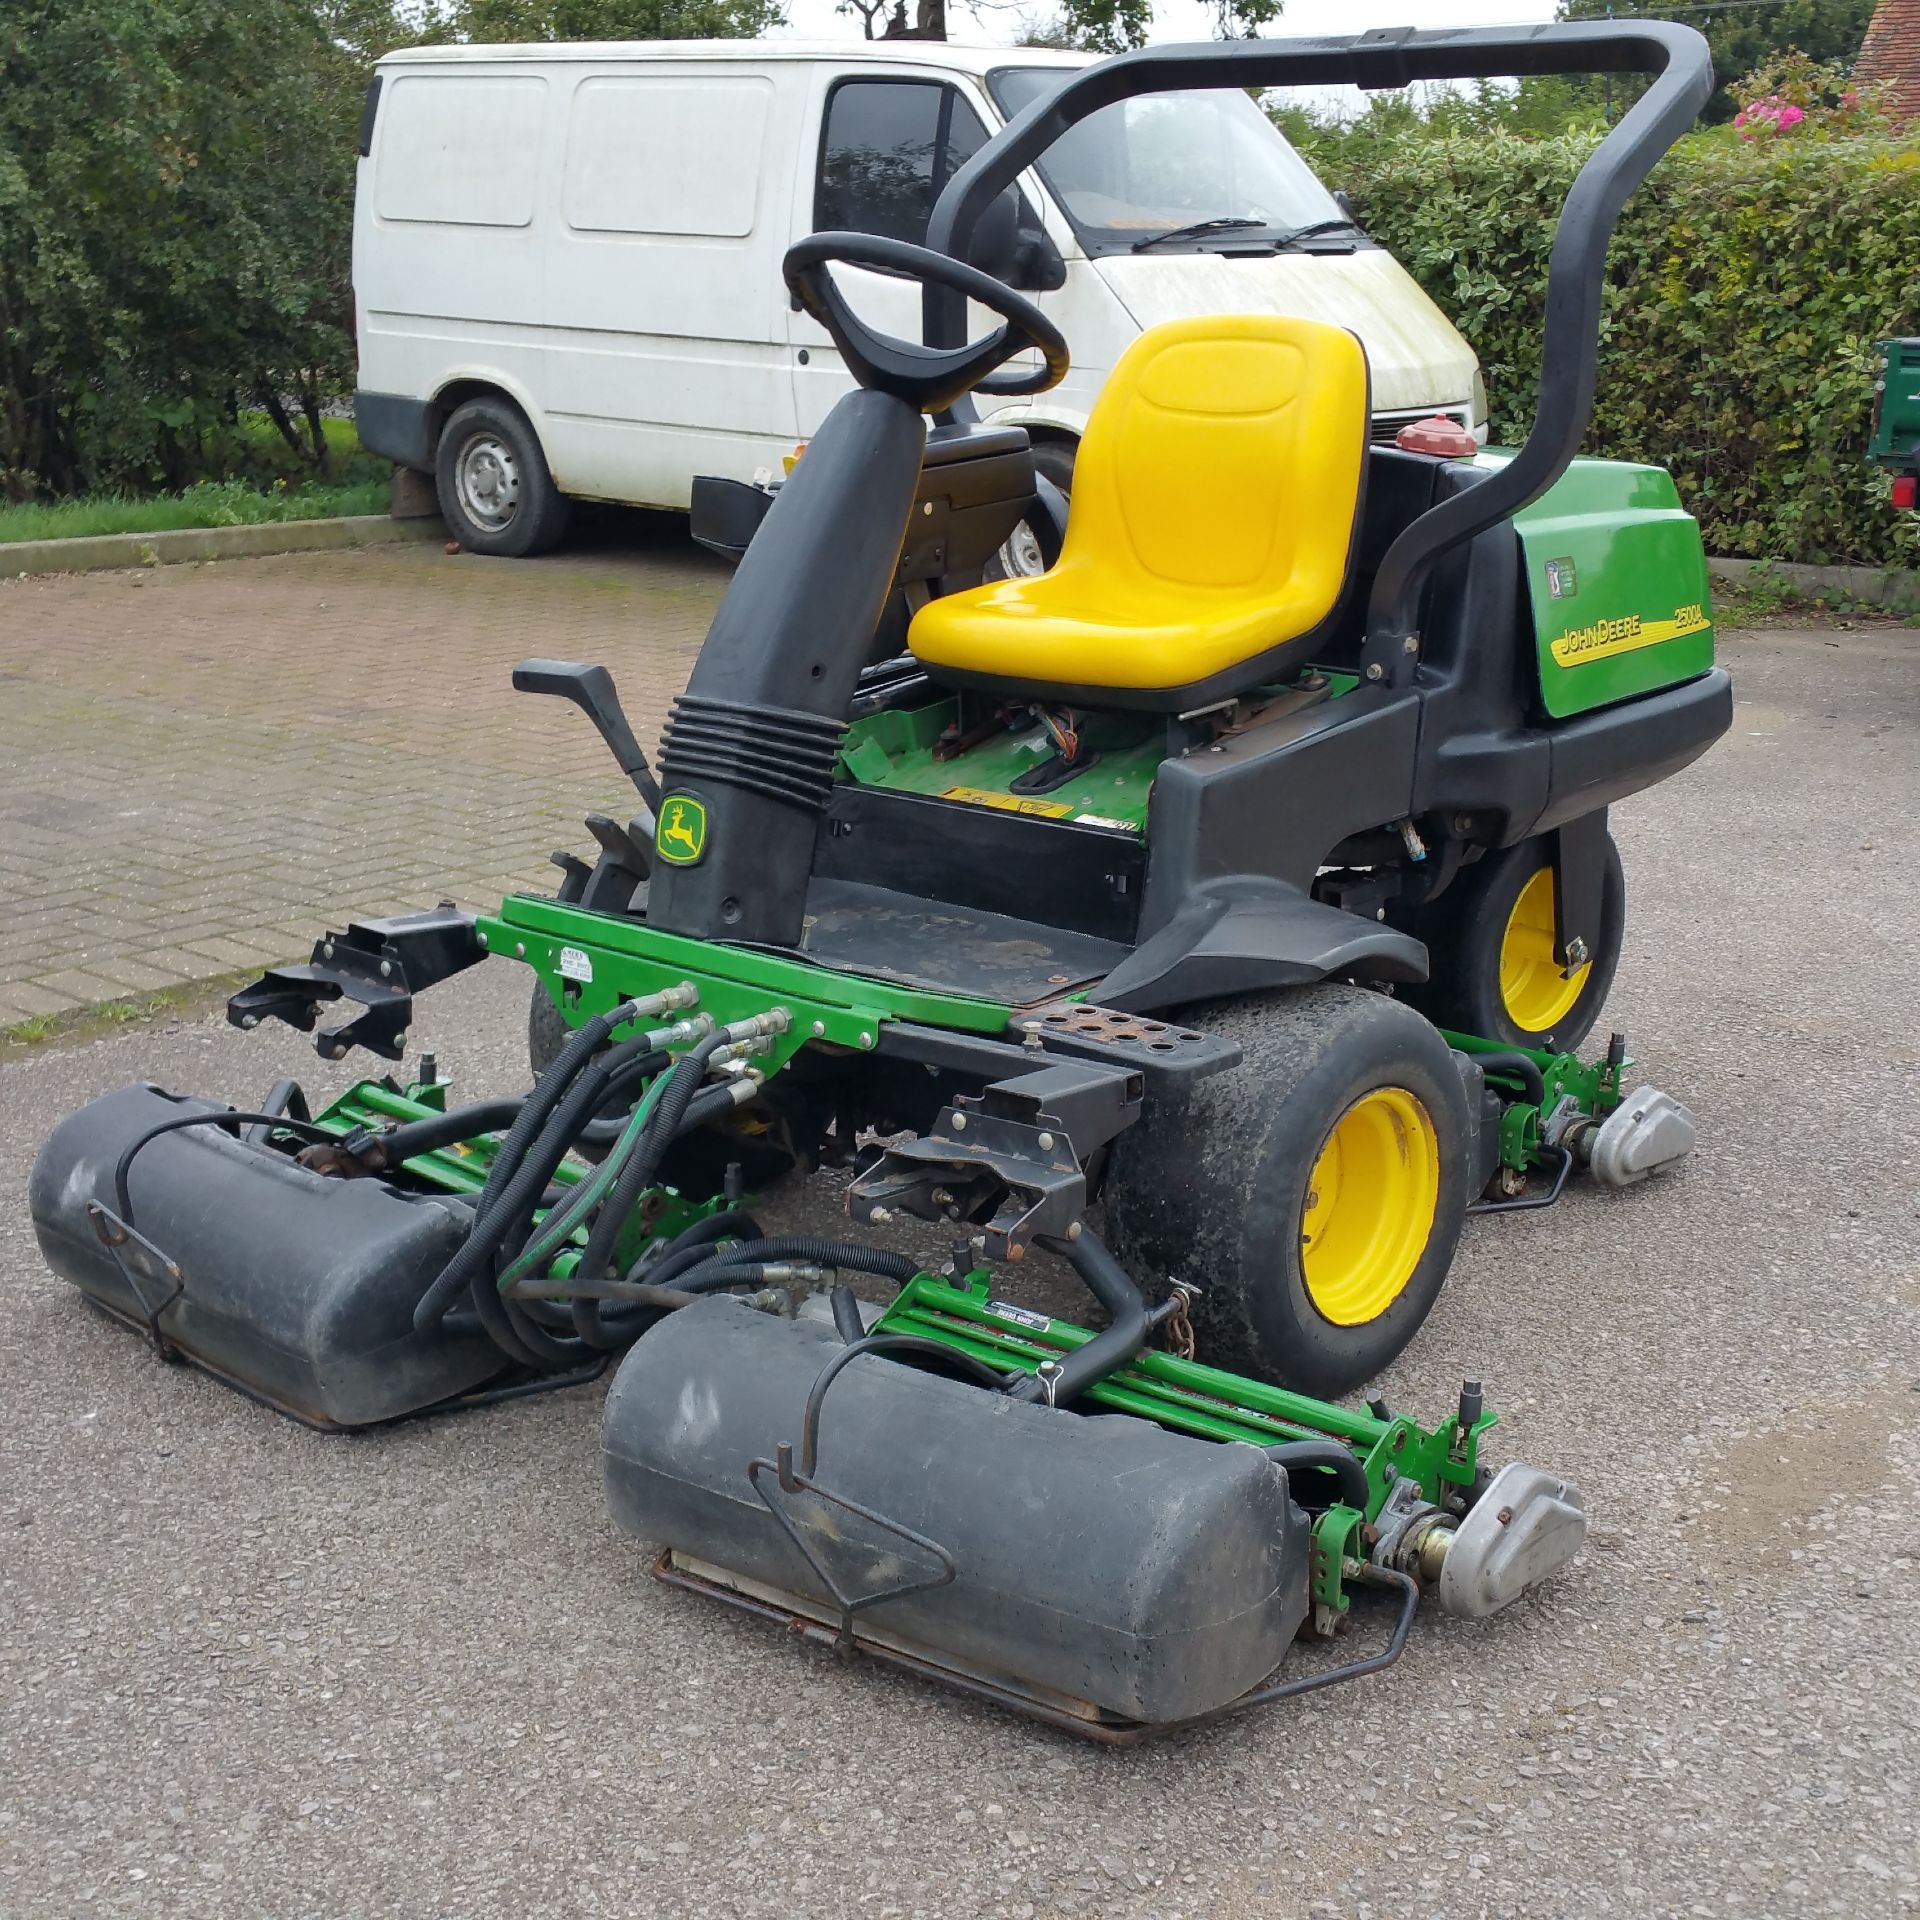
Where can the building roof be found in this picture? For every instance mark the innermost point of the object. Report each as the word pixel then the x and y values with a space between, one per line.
pixel 1890 54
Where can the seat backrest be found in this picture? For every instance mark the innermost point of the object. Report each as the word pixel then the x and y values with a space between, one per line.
pixel 1224 457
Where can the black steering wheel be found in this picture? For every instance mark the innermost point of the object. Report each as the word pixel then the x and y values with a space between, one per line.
pixel 930 378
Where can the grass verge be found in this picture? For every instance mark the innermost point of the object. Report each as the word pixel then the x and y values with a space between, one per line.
pixel 250 477
pixel 188 1000
pixel 213 503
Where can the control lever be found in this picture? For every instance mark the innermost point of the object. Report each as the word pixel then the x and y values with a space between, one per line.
pixel 591 690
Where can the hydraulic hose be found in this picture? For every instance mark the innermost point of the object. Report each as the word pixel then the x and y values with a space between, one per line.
pixel 439 1130
pixel 575 1204
pixel 846 1316
pixel 1123 1337
pixel 502 1202
pixel 615 1076
pixel 668 1119
pixel 734 1223
pixel 1324 1456
pixel 1516 1066
pixel 847 1256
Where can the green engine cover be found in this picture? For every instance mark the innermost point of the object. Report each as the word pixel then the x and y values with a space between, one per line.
pixel 1617 575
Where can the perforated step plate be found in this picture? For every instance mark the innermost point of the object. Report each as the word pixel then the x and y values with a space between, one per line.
pixel 1130 1039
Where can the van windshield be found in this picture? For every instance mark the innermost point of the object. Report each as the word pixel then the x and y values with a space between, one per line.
pixel 1168 161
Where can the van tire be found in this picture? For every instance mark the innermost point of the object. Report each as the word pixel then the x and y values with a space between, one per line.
pixel 1052 460
pixel 496 491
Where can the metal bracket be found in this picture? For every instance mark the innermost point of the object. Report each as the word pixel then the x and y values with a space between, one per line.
pixel 116 1235
pixel 790 1482
pixel 381 964
pixel 1011 1159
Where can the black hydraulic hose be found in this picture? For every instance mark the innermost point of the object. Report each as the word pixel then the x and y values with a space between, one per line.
pixel 691 1247
pixel 663 1126
pixel 1516 1066
pixel 846 1316
pixel 847 1256
pixel 123 1200
pixel 732 1223
pixel 619 1073
pixel 501 1205
pixel 1324 1456
pixel 534 1113
pixel 515 1334
pixel 438 1130
pixel 1126 1333
pixel 547 1093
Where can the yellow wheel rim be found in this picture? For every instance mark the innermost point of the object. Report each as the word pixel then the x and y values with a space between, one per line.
pixel 1535 993
pixel 1368 1212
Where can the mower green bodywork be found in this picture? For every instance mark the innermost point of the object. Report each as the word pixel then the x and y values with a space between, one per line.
pixel 1618 583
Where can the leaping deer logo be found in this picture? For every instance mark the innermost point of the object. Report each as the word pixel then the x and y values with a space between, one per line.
pixel 683 830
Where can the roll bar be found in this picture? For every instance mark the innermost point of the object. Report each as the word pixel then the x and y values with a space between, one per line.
pixel 1676 56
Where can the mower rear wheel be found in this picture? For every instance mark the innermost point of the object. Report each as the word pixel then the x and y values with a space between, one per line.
pixel 1490 945
pixel 1314 1193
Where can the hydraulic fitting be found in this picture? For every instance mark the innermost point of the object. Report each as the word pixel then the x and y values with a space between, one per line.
pixel 683 1033
pixel 667 1000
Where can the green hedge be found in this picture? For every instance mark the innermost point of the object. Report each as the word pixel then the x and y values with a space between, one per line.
pixel 1746 287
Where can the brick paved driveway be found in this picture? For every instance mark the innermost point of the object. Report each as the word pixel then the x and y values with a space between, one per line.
pixel 200 765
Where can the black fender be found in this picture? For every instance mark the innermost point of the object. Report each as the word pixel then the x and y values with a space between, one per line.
pixel 1245 933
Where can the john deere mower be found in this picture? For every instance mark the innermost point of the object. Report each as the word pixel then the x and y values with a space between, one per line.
pixel 1246 874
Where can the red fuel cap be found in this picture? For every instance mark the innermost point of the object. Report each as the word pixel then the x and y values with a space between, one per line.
pixel 1448 438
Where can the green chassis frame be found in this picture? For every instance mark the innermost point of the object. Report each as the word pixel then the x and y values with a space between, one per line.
pixel 591 963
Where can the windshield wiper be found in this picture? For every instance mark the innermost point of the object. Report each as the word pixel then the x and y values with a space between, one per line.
pixel 1198 231
pixel 1287 239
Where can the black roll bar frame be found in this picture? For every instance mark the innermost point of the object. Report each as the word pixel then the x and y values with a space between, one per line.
pixel 1681 66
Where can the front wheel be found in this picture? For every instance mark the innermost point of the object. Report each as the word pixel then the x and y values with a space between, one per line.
pixel 1490 949
pixel 1314 1193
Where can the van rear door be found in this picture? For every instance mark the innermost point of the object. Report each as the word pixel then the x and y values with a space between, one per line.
pixel 666 338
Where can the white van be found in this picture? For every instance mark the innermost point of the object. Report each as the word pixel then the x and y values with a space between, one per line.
pixel 571 255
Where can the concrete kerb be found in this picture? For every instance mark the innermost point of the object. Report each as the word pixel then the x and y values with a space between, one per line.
pixel 1896 589
pixel 182 544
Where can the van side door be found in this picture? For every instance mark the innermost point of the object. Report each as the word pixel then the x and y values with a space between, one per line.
pixel 666 343
pixel 885 145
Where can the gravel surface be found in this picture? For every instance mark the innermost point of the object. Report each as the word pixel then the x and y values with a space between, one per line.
pixel 247 1670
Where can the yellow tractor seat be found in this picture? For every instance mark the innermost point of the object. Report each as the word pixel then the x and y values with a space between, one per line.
pixel 1215 497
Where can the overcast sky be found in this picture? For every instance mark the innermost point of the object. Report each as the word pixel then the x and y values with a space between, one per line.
pixel 1192 20
pixel 1000 23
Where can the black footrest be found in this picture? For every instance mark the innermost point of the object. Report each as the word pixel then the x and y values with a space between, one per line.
pixel 381 964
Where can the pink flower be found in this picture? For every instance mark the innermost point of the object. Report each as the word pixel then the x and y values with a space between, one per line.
pixel 1789 117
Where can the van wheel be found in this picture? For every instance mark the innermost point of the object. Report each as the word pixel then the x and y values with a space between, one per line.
pixel 1022 555
pixel 496 493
